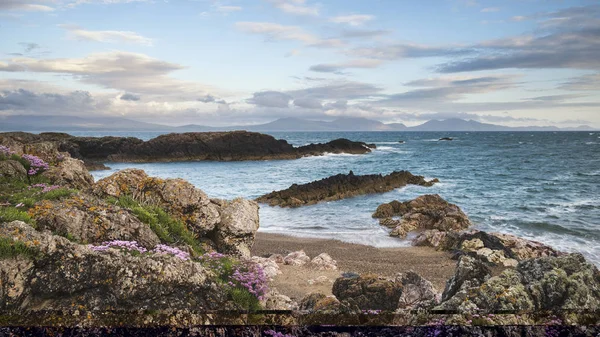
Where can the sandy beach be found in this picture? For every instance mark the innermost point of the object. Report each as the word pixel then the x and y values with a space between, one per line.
pixel 433 265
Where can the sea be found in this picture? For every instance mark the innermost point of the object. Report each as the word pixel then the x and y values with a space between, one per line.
pixel 543 186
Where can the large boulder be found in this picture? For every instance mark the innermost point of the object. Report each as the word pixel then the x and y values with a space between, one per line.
pixel 417 292
pixel 87 219
pixel 368 292
pixel 71 173
pixel 178 197
pixel 565 282
pixel 422 213
pixel 12 169
pixel 65 275
pixel 235 233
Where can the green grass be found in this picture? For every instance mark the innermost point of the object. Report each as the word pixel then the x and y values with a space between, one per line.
pixel 244 299
pixel 168 229
pixel 10 249
pixel 8 214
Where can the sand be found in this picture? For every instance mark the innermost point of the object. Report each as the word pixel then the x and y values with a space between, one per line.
pixel 433 265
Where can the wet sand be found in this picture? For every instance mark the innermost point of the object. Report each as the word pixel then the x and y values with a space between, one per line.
pixel 433 265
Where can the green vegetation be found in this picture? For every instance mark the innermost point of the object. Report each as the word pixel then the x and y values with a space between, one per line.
pixel 244 299
pixel 10 249
pixel 168 229
pixel 17 192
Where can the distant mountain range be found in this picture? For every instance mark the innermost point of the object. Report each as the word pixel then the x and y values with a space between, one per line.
pixel 69 123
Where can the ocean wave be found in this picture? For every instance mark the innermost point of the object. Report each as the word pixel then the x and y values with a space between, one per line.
pixel 389 149
pixel 386 143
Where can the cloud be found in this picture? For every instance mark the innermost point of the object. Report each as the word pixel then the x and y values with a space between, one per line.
pixel 129 97
pixel 490 9
pixel 569 38
pixel 352 20
pixel 338 68
pixel 361 33
pixel 29 46
pixel 271 99
pixel 308 102
pixel 276 31
pixel 207 99
pixel 403 50
pixel 112 36
pixel 24 5
pixel 296 7
pixel 121 71
pixel 23 100
pixel 583 83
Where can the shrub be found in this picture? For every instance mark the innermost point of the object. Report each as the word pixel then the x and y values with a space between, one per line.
pixel 244 299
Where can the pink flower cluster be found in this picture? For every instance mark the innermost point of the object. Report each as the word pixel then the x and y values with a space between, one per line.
pixel 37 165
pixel 128 245
pixel 134 246
pixel 164 249
pixel 45 188
pixel 274 333
pixel 252 277
pixel 6 151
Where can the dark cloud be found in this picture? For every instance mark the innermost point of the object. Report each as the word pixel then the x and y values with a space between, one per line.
pixel 130 97
pixel 401 51
pixel 583 83
pixel 362 33
pixel 207 99
pixel 29 46
pixel 25 101
pixel 308 103
pixel 271 99
pixel 569 38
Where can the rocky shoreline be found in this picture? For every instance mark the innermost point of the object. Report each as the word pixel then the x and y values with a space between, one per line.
pixel 341 186
pixel 141 251
pixel 193 146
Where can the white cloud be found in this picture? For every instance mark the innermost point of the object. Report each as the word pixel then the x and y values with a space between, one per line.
pixel 281 32
pixel 296 7
pixel 110 36
pixel 25 5
pixel 339 67
pixel 352 20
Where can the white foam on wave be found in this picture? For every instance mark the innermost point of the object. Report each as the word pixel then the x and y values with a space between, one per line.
pixel 376 143
pixel 375 238
pixel 390 149
pixel 591 143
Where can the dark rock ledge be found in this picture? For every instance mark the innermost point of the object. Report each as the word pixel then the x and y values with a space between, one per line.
pixel 341 186
pixel 193 146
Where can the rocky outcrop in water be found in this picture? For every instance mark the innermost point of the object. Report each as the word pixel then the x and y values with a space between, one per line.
pixel 341 186
pixel 194 146
pixel 424 212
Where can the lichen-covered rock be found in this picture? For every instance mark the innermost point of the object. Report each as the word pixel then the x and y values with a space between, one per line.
pixel 277 258
pixel 87 219
pixel 71 173
pixel 67 275
pixel 12 169
pixel 496 248
pixel 178 197
pixel 235 233
pixel 422 213
pixel 368 292
pixel 417 292
pixel 323 262
pixel 339 187
pixel 298 258
pixel 470 273
pixel 566 282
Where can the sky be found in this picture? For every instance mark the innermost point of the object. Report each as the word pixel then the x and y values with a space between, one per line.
pixel 235 62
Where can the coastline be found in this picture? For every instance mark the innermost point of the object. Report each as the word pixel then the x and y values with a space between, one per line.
pixel 436 266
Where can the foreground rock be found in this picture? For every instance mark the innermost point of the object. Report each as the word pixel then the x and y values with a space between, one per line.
pixel 194 146
pixel 368 292
pixel 65 275
pixel 230 225
pixel 87 219
pixel 424 212
pixel 12 169
pixel 341 186
pixel 566 282
pixel 71 173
